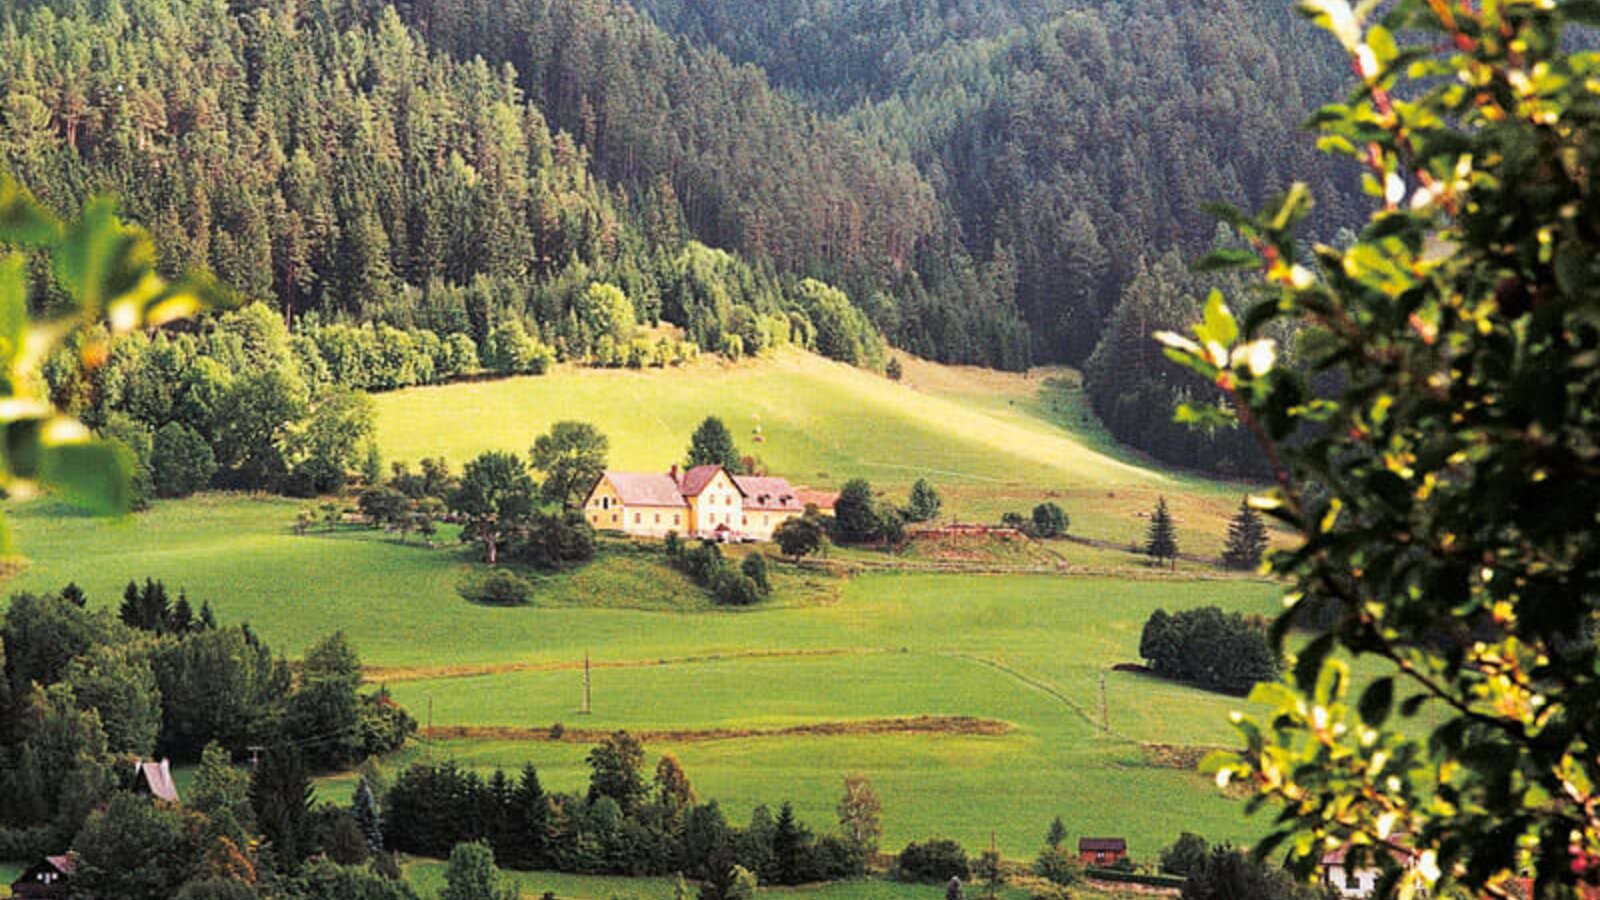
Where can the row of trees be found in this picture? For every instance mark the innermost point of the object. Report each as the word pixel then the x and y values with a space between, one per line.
pixel 83 691
pixel 628 822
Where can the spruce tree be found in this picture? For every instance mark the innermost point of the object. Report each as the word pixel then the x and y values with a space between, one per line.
pixel 1162 542
pixel 364 809
pixel 924 503
pixel 1247 539
pixel 712 444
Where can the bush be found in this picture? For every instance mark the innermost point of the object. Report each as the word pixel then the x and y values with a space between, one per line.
pixel 1057 865
pixel 557 540
pixel 1221 651
pixel 1049 521
pixel 498 587
pixel 733 588
pixel 181 462
pixel 1186 856
pixel 754 568
pixel 934 861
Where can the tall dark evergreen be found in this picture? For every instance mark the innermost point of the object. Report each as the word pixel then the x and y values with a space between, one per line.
pixel 712 445
pixel 1247 538
pixel 1161 541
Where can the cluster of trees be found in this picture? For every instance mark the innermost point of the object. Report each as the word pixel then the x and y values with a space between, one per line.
pixel 729 585
pixel 628 822
pixel 1048 520
pixel 237 403
pixel 83 692
pixel 858 517
pixel 1227 652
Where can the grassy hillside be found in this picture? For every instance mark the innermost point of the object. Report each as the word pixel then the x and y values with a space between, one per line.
pixel 832 675
pixel 989 440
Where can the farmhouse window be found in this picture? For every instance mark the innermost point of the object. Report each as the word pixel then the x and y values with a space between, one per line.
pixel 674 518
pixel 636 518
pixel 744 520
pixel 658 518
pixel 613 518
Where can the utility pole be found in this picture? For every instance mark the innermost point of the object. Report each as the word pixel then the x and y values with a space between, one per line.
pixel 1105 712
pixel 586 698
pixel 430 727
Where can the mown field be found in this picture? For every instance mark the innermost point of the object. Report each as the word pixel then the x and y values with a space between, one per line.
pixel 781 701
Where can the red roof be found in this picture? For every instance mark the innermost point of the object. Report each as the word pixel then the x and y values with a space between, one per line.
pixel 157 778
pixel 64 863
pixel 1400 854
pixel 695 480
pixel 822 500
pixel 764 492
pixel 1117 845
pixel 646 488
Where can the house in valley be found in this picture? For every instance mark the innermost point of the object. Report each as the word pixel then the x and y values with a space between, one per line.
pixel 48 879
pixel 1102 852
pixel 705 501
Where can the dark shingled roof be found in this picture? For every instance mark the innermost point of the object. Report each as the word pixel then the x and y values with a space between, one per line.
pixel 695 480
pixel 763 492
pixel 646 488
pixel 1093 845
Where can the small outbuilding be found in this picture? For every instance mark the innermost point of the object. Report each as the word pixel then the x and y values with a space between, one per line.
pixel 155 779
pixel 48 879
pixel 1102 851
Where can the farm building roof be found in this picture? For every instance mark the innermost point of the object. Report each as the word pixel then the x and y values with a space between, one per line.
pixel 822 500
pixel 1399 853
pixel 766 492
pixel 64 863
pixel 157 778
pixel 646 488
pixel 695 480
pixel 1102 844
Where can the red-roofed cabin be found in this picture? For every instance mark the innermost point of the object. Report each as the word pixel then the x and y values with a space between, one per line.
pixel 1102 851
pixel 45 880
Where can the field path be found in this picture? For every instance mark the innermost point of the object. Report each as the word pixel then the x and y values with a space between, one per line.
pixel 1043 687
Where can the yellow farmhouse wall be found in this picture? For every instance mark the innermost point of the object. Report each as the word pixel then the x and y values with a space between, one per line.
pixel 719 503
pixel 606 512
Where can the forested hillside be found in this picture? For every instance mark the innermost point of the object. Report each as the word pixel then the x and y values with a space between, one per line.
pixel 981 182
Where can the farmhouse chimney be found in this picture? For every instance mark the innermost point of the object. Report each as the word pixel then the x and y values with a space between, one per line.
pixel 674 473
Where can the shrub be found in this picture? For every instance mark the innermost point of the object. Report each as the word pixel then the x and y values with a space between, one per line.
pixel 754 568
pixel 1049 521
pixel 499 587
pixel 1221 651
pixel 1057 865
pixel 733 588
pixel 934 861
pixel 1186 856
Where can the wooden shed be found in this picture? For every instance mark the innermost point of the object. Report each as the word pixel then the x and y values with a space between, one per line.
pixel 1102 851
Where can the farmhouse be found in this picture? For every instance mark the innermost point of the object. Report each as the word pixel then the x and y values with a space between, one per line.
pixel 46 880
pixel 1359 882
pixel 705 501
pixel 1102 851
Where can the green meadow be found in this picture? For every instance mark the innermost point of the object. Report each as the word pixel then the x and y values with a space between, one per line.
pixel 1029 656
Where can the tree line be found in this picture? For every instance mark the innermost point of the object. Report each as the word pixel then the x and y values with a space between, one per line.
pixel 84 691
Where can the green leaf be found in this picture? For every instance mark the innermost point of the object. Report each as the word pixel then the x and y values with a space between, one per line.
pixel 1308 662
pixel 1219 325
pixel 97 475
pixel 1227 258
pixel 1377 701
pixel 22 220
pixel 13 311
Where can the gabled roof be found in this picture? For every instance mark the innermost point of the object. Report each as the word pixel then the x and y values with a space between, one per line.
pixel 822 500
pixel 1102 844
pixel 765 492
pixel 64 863
pixel 1401 854
pixel 157 779
pixel 695 480
pixel 645 488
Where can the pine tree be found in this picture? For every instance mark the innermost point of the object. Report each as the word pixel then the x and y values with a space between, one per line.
pixel 74 594
pixel 182 619
pixel 712 444
pixel 1162 542
pixel 1247 539
pixel 364 809
pixel 1056 834
pixel 924 503
pixel 208 620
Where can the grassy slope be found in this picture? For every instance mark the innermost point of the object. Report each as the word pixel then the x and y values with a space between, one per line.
pixel 984 438
pixel 1029 650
